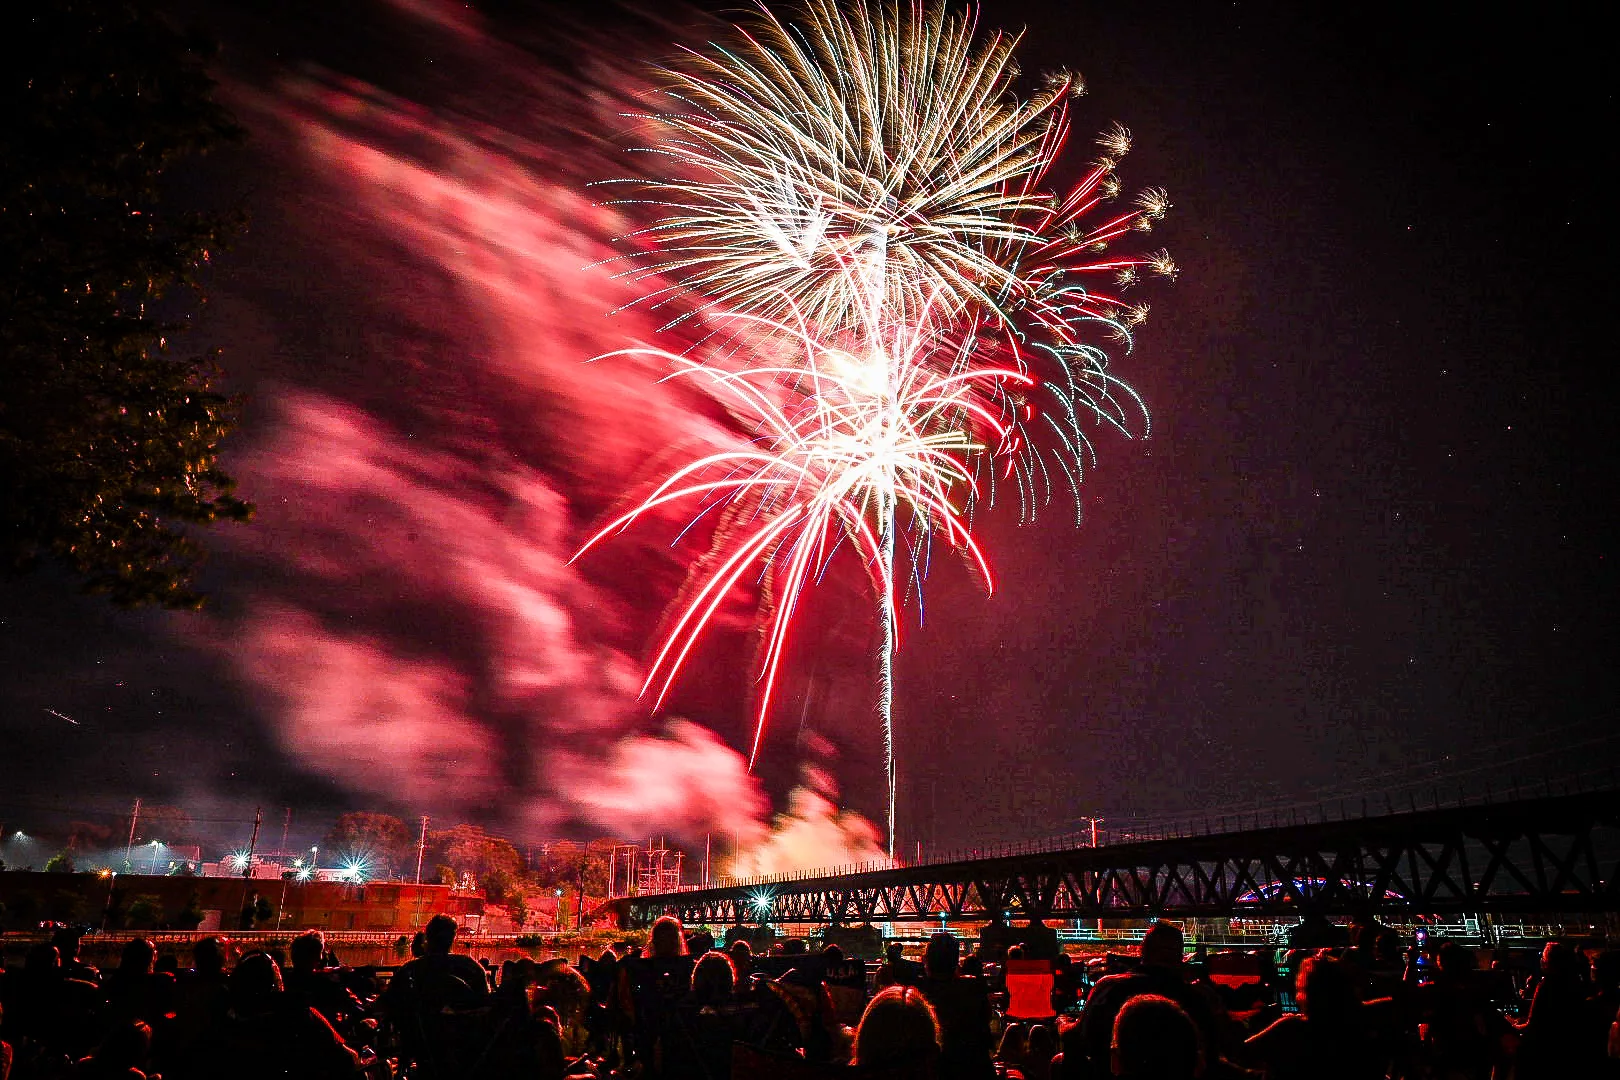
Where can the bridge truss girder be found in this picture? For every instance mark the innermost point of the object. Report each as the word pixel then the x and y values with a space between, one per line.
pixel 1538 856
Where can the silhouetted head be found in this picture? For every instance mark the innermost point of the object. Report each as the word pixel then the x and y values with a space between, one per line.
pixel 43 959
pixel 255 982
pixel 439 934
pixel 66 940
pixel 1326 990
pixel 1606 971
pixel 700 942
pixel 713 978
pixel 666 939
pixel 894 952
pixel 139 958
pixel 1042 1043
pixel 1162 945
pixel 941 955
pixel 561 986
pixel 1014 1044
pixel 126 1047
pixel 898 1029
pixel 1155 1039
pixel 208 956
pixel 833 954
pixel 307 950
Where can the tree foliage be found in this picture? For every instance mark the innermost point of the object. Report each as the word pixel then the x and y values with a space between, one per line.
pixel 145 912
pixel 191 916
pixel 491 861
pixel 108 441
pixel 580 868
pixel 60 863
pixel 382 840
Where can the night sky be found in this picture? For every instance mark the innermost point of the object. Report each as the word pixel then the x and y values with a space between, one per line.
pixel 1367 551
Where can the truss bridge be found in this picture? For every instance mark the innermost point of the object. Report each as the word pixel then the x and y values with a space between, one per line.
pixel 1550 855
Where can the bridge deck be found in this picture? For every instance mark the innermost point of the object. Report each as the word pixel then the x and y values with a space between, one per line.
pixel 1530 856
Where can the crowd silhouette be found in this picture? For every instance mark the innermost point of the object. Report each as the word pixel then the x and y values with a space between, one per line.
pixel 1342 1004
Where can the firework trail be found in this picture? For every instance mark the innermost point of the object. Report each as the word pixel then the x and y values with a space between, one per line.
pixel 868 176
pixel 839 440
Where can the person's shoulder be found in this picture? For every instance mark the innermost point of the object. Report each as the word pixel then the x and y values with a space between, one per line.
pixel 1284 1027
pixel 1123 982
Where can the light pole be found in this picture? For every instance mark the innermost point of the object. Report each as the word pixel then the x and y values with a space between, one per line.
pixel 112 886
pixel 151 867
pixel 281 906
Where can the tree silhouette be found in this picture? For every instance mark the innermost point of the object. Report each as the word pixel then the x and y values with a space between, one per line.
pixel 382 840
pixel 492 861
pixel 108 441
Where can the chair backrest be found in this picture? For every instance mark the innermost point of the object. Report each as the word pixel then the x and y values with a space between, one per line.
pixel 1233 969
pixel 1029 989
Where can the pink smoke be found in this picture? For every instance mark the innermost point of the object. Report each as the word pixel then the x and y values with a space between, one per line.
pixel 419 635
pixel 811 831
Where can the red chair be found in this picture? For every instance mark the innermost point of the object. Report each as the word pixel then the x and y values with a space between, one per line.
pixel 1029 989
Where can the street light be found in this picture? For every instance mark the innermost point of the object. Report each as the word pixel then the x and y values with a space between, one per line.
pixel 152 868
pixel 112 886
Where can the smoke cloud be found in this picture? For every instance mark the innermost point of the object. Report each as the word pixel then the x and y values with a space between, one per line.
pixel 811 831
pixel 428 451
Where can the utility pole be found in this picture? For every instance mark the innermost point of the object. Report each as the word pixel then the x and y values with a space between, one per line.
pixel 286 823
pixel 705 860
pixel 421 849
pixel 247 864
pixel 129 846
pixel 253 841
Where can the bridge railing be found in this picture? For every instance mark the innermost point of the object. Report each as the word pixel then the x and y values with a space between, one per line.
pixel 1213 823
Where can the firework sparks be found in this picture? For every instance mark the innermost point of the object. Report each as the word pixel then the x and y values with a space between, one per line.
pixel 840 441
pixel 868 176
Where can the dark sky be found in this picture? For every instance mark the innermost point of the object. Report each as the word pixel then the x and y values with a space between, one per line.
pixel 1367 551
